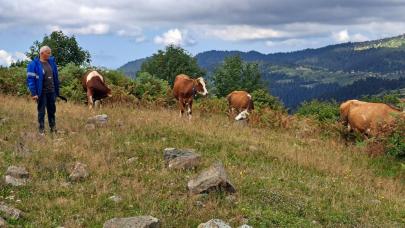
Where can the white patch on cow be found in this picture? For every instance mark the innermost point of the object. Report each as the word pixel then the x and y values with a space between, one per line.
pixel 201 80
pixel 92 75
pixel 242 115
pixel 249 96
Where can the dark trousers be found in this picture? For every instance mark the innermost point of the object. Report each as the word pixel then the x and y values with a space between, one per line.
pixel 46 100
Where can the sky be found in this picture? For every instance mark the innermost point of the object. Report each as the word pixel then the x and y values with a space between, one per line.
pixel 118 31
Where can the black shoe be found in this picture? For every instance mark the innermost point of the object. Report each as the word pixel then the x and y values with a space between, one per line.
pixel 54 130
pixel 41 132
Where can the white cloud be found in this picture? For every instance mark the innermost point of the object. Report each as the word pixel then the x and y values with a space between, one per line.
pixel 176 37
pixel 95 29
pixel 344 36
pixel 243 32
pixel 7 58
pixel 341 36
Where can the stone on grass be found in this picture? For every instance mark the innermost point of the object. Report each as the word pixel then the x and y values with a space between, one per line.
pixel 133 222
pixel 181 158
pixel 2 223
pixel 16 176
pixel 10 212
pixel 98 120
pixel 213 178
pixel 79 172
pixel 214 223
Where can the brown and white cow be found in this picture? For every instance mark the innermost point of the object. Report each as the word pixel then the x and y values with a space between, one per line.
pixel 241 102
pixel 185 88
pixel 367 118
pixel 94 84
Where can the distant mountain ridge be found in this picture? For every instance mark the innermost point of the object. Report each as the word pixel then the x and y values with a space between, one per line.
pixel 333 66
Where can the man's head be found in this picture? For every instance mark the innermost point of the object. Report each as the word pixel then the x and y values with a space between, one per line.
pixel 44 53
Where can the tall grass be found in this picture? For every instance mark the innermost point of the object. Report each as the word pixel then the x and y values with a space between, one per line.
pixel 292 177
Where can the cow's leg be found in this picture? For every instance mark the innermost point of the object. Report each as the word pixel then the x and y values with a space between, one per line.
pixel 90 99
pixel 97 104
pixel 189 109
pixel 181 107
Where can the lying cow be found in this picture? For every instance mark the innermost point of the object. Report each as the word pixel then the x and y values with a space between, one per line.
pixel 241 102
pixel 367 118
pixel 94 84
pixel 184 89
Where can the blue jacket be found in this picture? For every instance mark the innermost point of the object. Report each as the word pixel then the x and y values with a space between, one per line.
pixel 35 76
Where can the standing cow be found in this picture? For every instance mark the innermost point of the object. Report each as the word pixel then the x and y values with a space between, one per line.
pixel 367 118
pixel 94 84
pixel 185 88
pixel 241 102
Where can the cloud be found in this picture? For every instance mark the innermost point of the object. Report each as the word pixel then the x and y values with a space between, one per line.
pixel 343 36
pixel 7 58
pixel 175 37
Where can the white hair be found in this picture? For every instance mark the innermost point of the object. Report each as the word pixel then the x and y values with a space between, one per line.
pixel 44 48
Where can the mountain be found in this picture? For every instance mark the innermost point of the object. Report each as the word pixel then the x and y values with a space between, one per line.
pixel 320 73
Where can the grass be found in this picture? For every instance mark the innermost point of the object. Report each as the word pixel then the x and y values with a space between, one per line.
pixel 288 179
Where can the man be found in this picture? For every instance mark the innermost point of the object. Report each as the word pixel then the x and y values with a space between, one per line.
pixel 43 83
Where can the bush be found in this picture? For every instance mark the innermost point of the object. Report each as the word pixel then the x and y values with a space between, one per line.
pixel 150 88
pixel 13 81
pixel 395 142
pixel 320 110
pixel 208 106
pixel 263 99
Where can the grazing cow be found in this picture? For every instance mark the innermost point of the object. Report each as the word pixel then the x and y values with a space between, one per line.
pixel 367 118
pixel 242 102
pixel 94 84
pixel 185 88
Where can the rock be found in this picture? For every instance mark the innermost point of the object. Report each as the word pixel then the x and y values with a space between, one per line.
pixel 17 172
pixel 79 172
pixel 131 160
pixel 213 178
pixel 214 223
pixel 245 226
pixel 115 198
pixel 10 212
pixel 2 223
pixel 181 159
pixel 133 222
pixel 98 120
pixel 16 176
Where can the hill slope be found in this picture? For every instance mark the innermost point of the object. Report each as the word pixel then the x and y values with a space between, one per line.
pixel 283 177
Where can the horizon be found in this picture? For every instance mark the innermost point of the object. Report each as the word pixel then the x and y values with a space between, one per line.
pixel 125 31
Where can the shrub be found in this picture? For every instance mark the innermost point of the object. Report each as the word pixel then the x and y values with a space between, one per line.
pixel 320 110
pixel 13 81
pixel 263 99
pixel 395 142
pixel 149 88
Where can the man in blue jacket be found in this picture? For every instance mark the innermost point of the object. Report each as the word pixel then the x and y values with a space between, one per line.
pixel 43 83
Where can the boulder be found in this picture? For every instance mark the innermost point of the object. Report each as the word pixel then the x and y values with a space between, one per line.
pixel 16 176
pixel 213 178
pixel 214 223
pixel 79 172
pixel 133 222
pixel 181 158
pixel 10 212
pixel 98 119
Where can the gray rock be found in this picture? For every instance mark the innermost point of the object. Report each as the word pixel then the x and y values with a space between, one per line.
pixel 79 172
pixel 16 176
pixel 131 160
pixel 213 178
pixel 115 198
pixel 17 172
pixel 133 222
pixel 181 158
pixel 2 223
pixel 245 226
pixel 10 212
pixel 99 119
pixel 214 223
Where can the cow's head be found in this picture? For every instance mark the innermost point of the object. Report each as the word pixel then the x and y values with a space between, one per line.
pixel 200 87
pixel 243 115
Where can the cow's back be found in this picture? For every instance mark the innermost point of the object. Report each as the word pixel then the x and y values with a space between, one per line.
pixel 240 100
pixel 91 75
pixel 183 86
pixel 370 117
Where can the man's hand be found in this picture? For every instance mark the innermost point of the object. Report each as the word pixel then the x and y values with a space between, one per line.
pixel 35 98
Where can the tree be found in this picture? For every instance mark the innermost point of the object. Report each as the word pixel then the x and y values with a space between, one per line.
pixel 65 49
pixel 234 74
pixel 171 62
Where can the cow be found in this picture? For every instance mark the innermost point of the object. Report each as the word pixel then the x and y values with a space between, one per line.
pixel 184 89
pixel 242 102
pixel 94 84
pixel 367 118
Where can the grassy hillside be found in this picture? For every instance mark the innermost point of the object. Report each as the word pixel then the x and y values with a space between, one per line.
pixel 296 177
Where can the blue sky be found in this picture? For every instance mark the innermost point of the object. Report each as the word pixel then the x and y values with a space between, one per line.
pixel 115 32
